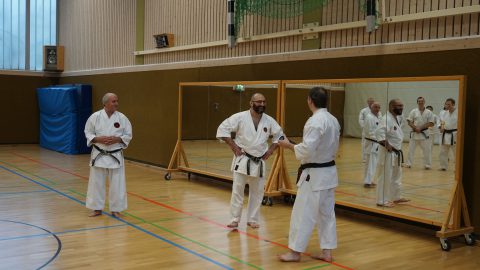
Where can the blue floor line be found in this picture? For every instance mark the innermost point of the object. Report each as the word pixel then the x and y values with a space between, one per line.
pixel 126 222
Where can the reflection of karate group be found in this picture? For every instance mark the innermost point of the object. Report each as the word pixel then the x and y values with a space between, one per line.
pixel 382 139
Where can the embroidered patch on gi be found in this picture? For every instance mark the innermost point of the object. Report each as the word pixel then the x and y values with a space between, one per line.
pixel 394 128
pixel 117 125
pixel 376 123
pixel 265 129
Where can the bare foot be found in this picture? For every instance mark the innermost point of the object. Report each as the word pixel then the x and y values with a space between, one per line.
pixel 116 214
pixel 401 200
pixel 387 204
pixel 233 225
pixel 95 213
pixel 325 256
pixel 291 256
pixel 253 225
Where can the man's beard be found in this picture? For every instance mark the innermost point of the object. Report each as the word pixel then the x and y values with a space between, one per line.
pixel 398 111
pixel 259 109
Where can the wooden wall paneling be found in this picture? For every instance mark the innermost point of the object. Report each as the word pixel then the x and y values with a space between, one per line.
pixel 466 19
pixel 323 21
pixel 457 20
pixel 474 20
pixel 412 26
pixel 349 32
pixel 398 26
pixel 392 27
pixel 405 25
pixel 329 36
pixel 342 18
pixel 442 22
pixel 449 20
pixel 435 23
pixel 361 30
pixel 427 5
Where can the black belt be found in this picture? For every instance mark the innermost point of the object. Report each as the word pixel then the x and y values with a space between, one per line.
pixel 421 131
pixel 256 160
pixel 105 153
pixel 313 165
pixel 398 152
pixel 449 131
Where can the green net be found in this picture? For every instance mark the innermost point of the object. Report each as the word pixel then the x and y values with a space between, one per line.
pixel 274 8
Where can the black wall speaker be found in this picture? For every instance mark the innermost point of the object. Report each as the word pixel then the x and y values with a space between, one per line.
pixel 53 58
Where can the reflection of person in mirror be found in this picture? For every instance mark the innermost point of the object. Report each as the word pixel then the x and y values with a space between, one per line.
pixel 361 120
pixel 434 130
pixel 390 157
pixel 315 201
pixel 420 119
pixel 448 130
pixel 250 148
pixel 109 132
pixel 372 122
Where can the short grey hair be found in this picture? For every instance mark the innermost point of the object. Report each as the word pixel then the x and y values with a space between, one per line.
pixel 106 97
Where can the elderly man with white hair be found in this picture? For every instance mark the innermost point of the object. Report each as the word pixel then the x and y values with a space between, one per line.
pixel 109 132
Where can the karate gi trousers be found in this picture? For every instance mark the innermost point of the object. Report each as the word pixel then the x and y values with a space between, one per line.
pixel 117 194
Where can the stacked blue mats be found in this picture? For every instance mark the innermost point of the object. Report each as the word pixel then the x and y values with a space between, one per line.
pixel 64 110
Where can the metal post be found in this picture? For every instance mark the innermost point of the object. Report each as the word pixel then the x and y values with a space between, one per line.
pixel 232 40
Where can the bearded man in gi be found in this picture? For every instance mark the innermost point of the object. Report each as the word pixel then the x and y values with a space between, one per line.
pixel 109 132
pixel 315 201
pixel 390 136
pixel 250 148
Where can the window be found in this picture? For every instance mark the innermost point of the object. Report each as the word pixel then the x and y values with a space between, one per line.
pixel 23 34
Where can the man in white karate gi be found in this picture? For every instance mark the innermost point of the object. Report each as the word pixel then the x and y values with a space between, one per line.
pixel 434 130
pixel 419 120
pixel 361 120
pixel 250 148
pixel 448 133
pixel 109 132
pixel 390 136
pixel 315 201
pixel 372 122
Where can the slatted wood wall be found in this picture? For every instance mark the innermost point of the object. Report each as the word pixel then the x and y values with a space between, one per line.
pixel 101 33
pixel 97 33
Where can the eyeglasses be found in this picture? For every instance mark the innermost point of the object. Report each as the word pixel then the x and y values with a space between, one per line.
pixel 259 101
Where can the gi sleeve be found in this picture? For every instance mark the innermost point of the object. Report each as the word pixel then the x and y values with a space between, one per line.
pixel 361 118
pixel 90 129
pixel 127 132
pixel 276 131
pixel 311 140
pixel 228 126
pixel 381 131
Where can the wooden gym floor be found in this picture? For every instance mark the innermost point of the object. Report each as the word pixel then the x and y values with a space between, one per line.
pixel 178 224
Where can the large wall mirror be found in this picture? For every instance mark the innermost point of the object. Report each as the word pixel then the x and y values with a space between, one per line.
pixel 425 184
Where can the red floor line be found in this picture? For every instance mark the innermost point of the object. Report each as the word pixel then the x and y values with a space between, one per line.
pixel 180 211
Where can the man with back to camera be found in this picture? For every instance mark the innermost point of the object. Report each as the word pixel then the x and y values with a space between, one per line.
pixel 250 148
pixel 390 136
pixel 315 201
pixel 420 119
pixel 109 132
